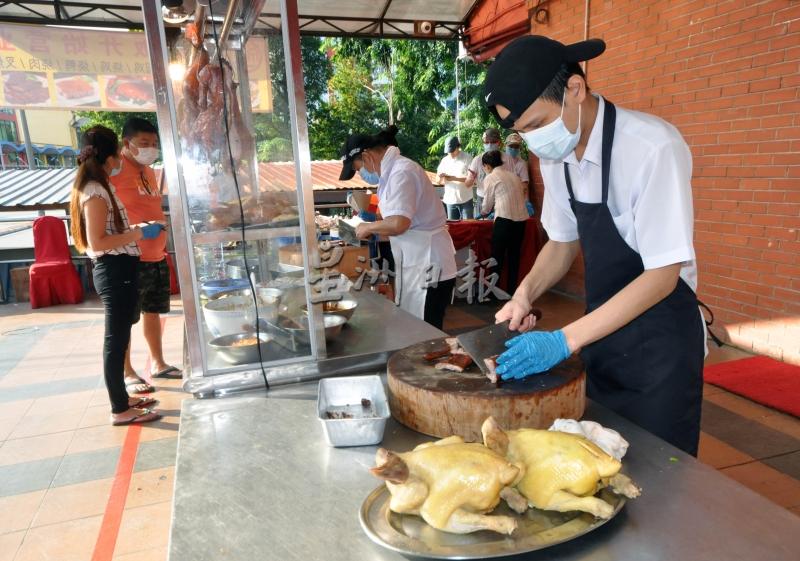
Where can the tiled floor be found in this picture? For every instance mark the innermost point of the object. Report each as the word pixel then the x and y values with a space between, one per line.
pixel 70 489
pixel 64 494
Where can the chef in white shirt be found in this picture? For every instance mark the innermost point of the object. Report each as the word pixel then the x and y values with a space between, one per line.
pixel 412 216
pixel 452 171
pixel 476 174
pixel 630 211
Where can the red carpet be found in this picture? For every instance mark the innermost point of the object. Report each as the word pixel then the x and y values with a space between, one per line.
pixel 761 379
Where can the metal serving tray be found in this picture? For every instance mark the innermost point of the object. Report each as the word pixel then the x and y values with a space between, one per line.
pixel 537 529
pixel 354 423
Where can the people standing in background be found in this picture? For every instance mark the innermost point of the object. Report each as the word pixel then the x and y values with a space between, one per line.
pixel 504 193
pixel 138 189
pixel 100 228
pixel 518 165
pixel 476 173
pixel 452 171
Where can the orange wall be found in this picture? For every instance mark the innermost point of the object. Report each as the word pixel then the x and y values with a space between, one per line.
pixel 727 74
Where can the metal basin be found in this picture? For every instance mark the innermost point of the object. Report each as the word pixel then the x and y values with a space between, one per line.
pixel 345 307
pixel 241 348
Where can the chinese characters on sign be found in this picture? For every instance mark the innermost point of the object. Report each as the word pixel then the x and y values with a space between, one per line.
pixel 69 68
pixel 81 68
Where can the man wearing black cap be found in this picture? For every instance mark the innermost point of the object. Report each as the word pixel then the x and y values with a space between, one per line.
pixel 452 171
pixel 617 185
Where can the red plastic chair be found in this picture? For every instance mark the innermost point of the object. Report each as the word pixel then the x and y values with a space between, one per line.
pixel 53 278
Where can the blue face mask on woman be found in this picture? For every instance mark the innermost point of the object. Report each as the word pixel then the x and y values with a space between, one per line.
pixel 369 176
pixel 513 152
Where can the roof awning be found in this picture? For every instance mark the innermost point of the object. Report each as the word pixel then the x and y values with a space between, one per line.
pixel 43 189
pixel 404 19
pixel 492 25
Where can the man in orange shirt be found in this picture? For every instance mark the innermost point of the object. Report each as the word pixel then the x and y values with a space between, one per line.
pixel 137 188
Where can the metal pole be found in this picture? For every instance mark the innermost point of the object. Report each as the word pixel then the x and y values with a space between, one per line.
pixel 23 121
pixel 227 24
pixel 170 147
pixel 299 125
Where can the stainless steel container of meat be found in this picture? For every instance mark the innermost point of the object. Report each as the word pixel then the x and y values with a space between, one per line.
pixel 353 410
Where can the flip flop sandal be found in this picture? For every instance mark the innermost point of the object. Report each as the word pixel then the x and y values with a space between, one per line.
pixel 143 402
pixel 143 387
pixel 165 371
pixel 146 416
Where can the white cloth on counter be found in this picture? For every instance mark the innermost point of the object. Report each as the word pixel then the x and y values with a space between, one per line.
pixel 609 440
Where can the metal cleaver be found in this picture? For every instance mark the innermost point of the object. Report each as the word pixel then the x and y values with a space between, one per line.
pixel 489 341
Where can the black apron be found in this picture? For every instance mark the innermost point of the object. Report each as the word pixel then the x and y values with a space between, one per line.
pixel 650 370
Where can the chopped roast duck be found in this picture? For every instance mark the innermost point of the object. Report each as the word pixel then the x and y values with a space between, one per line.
pixel 562 471
pixel 491 364
pixel 452 485
pixel 439 353
pixel 455 358
pixel 456 362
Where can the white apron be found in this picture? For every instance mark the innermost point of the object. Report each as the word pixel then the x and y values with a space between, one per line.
pixel 414 252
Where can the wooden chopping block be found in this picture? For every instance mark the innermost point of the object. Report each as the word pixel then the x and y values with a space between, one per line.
pixel 442 403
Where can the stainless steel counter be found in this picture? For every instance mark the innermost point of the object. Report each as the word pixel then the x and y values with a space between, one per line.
pixel 256 480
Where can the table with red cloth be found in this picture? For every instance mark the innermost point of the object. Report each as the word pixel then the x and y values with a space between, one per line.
pixel 477 234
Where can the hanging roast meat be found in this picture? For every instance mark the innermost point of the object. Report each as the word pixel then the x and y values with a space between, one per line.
pixel 207 88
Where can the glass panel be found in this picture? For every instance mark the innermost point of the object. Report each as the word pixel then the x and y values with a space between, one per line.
pixel 244 228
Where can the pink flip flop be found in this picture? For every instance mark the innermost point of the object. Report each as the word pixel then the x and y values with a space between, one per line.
pixel 146 416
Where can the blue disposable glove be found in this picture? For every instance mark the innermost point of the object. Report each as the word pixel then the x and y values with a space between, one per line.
pixel 532 353
pixel 367 216
pixel 151 231
pixel 529 207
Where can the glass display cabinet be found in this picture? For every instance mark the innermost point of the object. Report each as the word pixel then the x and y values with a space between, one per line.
pixel 243 239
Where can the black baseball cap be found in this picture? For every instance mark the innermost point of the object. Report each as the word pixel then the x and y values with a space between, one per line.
pixel 451 143
pixel 353 146
pixel 525 67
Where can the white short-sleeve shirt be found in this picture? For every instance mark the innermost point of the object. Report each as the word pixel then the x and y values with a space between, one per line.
pixel 94 189
pixel 520 168
pixel 455 192
pixel 405 190
pixel 476 167
pixel 650 193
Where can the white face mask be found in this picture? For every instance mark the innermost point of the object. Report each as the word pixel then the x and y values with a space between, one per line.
pixel 554 141
pixel 145 156
pixel 115 171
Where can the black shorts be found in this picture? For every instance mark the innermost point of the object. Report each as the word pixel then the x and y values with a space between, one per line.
pixel 154 287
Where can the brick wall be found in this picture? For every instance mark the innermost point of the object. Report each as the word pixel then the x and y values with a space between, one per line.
pixel 727 74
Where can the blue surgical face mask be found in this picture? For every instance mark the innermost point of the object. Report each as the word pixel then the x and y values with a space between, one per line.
pixel 116 170
pixel 554 141
pixel 513 152
pixel 369 176
pixel 490 146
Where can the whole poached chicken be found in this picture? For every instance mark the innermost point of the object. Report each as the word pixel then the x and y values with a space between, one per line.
pixel 454 485
pixel 450 484
pixel 562 472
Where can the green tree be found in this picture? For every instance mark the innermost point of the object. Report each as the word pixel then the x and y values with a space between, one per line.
pixel 272 130
pixel 114 120
pixel 409 83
